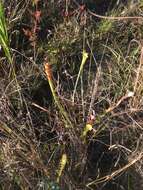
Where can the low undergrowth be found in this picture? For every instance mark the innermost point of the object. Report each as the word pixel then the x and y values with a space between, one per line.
pixel 71 106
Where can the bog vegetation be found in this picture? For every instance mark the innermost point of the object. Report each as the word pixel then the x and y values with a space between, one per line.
pixel 71 95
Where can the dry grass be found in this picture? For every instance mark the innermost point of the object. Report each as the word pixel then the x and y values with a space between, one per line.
pixel 74 121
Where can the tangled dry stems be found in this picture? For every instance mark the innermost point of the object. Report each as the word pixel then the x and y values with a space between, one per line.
pixel 107 97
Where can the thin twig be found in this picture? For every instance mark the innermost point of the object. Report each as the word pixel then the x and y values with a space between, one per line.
pixel 95 89
pixel 139 70
pixel 116 17
pixel 129 95
pixel 37 106
pixel 117 172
